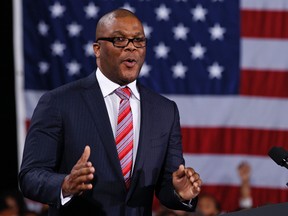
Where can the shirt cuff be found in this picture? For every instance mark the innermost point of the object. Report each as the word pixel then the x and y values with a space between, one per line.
pixel 246 202
pixel 65 200
pixel 187 203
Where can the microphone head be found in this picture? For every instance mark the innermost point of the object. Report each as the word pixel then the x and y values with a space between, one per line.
pixel 279 155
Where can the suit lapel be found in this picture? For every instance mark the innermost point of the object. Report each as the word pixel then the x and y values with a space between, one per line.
pixel 96 104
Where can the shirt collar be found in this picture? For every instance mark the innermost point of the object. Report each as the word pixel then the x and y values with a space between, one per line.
pixel 108 87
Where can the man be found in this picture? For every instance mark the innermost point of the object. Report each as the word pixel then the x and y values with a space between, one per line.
pixel 70 158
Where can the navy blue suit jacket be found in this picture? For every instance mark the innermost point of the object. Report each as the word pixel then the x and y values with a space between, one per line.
pixel 70 117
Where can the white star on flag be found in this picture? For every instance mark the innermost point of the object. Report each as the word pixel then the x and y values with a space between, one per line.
pixel 58 48
pixel 199 13
pixel 162 12
pixel 197 51
pixel 179 70
pixel 57 10
pixel 180 32
pixel 161 50
pixel 43 67
pixel 74 29
pixel 215 70
pixel 88 47
pixel 43 28
pixel 145 70
pixel 217 32
pixel 91 10
pixel 73 67
pixel 147 30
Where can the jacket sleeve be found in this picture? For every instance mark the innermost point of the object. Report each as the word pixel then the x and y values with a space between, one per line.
pixel 174 157
pixel 38 179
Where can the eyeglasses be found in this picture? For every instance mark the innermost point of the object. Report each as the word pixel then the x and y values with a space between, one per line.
pixel 122 42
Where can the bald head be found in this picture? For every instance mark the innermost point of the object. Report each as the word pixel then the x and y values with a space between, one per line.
pixel 109 18
pixel 121 64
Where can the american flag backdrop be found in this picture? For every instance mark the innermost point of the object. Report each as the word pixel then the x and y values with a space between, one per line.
pixel 224 62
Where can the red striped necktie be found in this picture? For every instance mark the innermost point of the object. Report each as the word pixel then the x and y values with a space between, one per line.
pixel 124 134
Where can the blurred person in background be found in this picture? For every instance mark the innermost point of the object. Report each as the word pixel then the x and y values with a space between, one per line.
pixel 244 172
pixel 12 203
pixel 208 205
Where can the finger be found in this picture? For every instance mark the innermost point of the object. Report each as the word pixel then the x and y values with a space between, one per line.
pixel 84 187
pixel 85 183
pixel 189 171
pixel 180 172
pixel 76 182
pixel 194 177
pixel 199 182
pixel 86 154
pixel 76 173
pixel 196 188
pixel 83 179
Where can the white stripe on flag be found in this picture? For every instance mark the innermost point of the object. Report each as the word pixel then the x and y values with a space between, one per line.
pixel 222 170
pixel 32 98
pixel 264 54
pixel 232 111
pixel 216 111
pixel 265 4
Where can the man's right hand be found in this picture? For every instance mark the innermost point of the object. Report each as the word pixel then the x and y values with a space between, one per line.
pixel 79 179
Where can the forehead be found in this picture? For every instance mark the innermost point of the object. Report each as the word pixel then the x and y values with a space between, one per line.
pixel 123 25
pixel 207 201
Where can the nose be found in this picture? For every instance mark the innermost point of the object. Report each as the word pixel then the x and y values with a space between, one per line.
pixel 130 46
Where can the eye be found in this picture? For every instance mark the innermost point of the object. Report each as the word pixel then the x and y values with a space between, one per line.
pixel 119 39
pixel 139 39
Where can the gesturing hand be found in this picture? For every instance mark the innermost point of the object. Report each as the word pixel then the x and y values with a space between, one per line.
pixel 80 176
pixel 186 182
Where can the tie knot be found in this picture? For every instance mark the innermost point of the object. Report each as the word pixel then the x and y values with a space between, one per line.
pixel 123 93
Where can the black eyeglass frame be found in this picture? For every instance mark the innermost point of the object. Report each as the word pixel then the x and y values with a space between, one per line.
pixel 112 40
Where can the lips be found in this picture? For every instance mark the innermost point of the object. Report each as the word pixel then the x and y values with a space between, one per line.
pixel 129 62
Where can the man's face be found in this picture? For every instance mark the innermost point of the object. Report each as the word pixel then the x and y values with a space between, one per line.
pixel 207 206
pixel 120 65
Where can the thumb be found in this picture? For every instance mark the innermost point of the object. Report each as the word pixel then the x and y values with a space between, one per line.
pixel 86 154
pixel 180 172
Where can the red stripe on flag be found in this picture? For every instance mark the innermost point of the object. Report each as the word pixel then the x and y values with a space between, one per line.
pixel 264 83
pixel 264 24
pixel 231 141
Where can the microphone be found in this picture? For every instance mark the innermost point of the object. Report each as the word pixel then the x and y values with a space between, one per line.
pixel 279 155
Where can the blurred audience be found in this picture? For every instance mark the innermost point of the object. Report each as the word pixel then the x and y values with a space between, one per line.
pixel 163 211
pixel 208 205
pixel 12 203
pixel 244 172
pixel 36 207
pixel 5 210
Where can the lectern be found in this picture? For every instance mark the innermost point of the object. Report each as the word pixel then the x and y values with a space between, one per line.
pixel 280 209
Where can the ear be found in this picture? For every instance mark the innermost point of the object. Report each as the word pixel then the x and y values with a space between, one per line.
pixel 96 48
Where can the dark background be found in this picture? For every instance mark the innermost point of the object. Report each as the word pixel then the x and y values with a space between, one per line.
pixel 8 156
